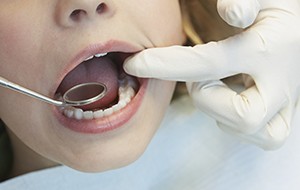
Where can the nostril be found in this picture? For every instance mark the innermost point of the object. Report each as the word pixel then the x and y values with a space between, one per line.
pixel 101 8
pixel 76 14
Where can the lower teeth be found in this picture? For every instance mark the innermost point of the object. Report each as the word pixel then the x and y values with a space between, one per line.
pixel 126 93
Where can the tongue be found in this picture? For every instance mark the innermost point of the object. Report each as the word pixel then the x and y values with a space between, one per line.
pixel 101 70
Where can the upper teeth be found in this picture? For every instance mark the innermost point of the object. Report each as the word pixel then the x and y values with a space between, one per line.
pixel 97 55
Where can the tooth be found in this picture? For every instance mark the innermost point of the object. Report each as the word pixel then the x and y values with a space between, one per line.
pixel 69 113
pixel 116 107
pixel 122 89
pixel 127 100
pixel 108 112
pixel 122 96
pixel 91 57
pixel 126 81
pixel 88 115
pixel 78 114
pixel 122 104
pixel 100 54
pixel 130 92
pixel 98 114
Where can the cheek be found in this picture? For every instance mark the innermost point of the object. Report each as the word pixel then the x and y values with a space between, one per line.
pixel 12 52
pixel 20 26
pixel 16 36
pixel 22 48
pixel 20 37
pixel 165 24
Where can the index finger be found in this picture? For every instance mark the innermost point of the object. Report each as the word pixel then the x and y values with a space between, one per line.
pixel 209 61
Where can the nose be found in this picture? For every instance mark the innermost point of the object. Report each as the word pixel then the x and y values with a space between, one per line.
pixel 73 12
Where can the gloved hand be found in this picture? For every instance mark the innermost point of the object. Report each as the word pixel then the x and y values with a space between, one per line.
pixel 268 51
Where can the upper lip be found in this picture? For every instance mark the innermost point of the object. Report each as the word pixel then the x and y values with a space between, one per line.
pixel 91 50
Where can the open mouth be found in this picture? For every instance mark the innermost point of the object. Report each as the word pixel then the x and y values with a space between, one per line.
pixel 106 68
pixel 124 96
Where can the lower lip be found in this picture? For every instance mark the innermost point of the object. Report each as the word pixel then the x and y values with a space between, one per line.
pixel 109 123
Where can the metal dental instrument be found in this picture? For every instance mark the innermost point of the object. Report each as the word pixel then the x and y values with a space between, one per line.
pixel 79 95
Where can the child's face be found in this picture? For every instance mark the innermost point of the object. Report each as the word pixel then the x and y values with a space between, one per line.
pixel 41 41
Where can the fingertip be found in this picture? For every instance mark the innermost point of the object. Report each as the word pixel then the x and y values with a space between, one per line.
pixel 278 129
pixel 274 135
pixel 238 13
pixel 134 66
pixel 128 65
pixel 146 64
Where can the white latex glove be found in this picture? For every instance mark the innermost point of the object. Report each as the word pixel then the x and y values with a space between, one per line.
pixel 268 51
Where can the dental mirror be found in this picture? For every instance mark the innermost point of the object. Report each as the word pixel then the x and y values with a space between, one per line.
pixel 79 95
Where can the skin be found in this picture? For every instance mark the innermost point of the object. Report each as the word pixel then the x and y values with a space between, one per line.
pixel 33 51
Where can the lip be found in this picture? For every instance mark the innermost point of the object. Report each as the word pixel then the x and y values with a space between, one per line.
pixel 117 119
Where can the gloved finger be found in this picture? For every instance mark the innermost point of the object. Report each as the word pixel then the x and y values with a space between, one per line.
pixel 277 129
pixel 238 13
pixel 243 13
pixel 177 63
pixel 209 61
pixel 270 137
pixel 244 112
pixel 275 133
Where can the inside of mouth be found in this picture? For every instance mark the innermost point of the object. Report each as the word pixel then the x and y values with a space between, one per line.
pixel 107 70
